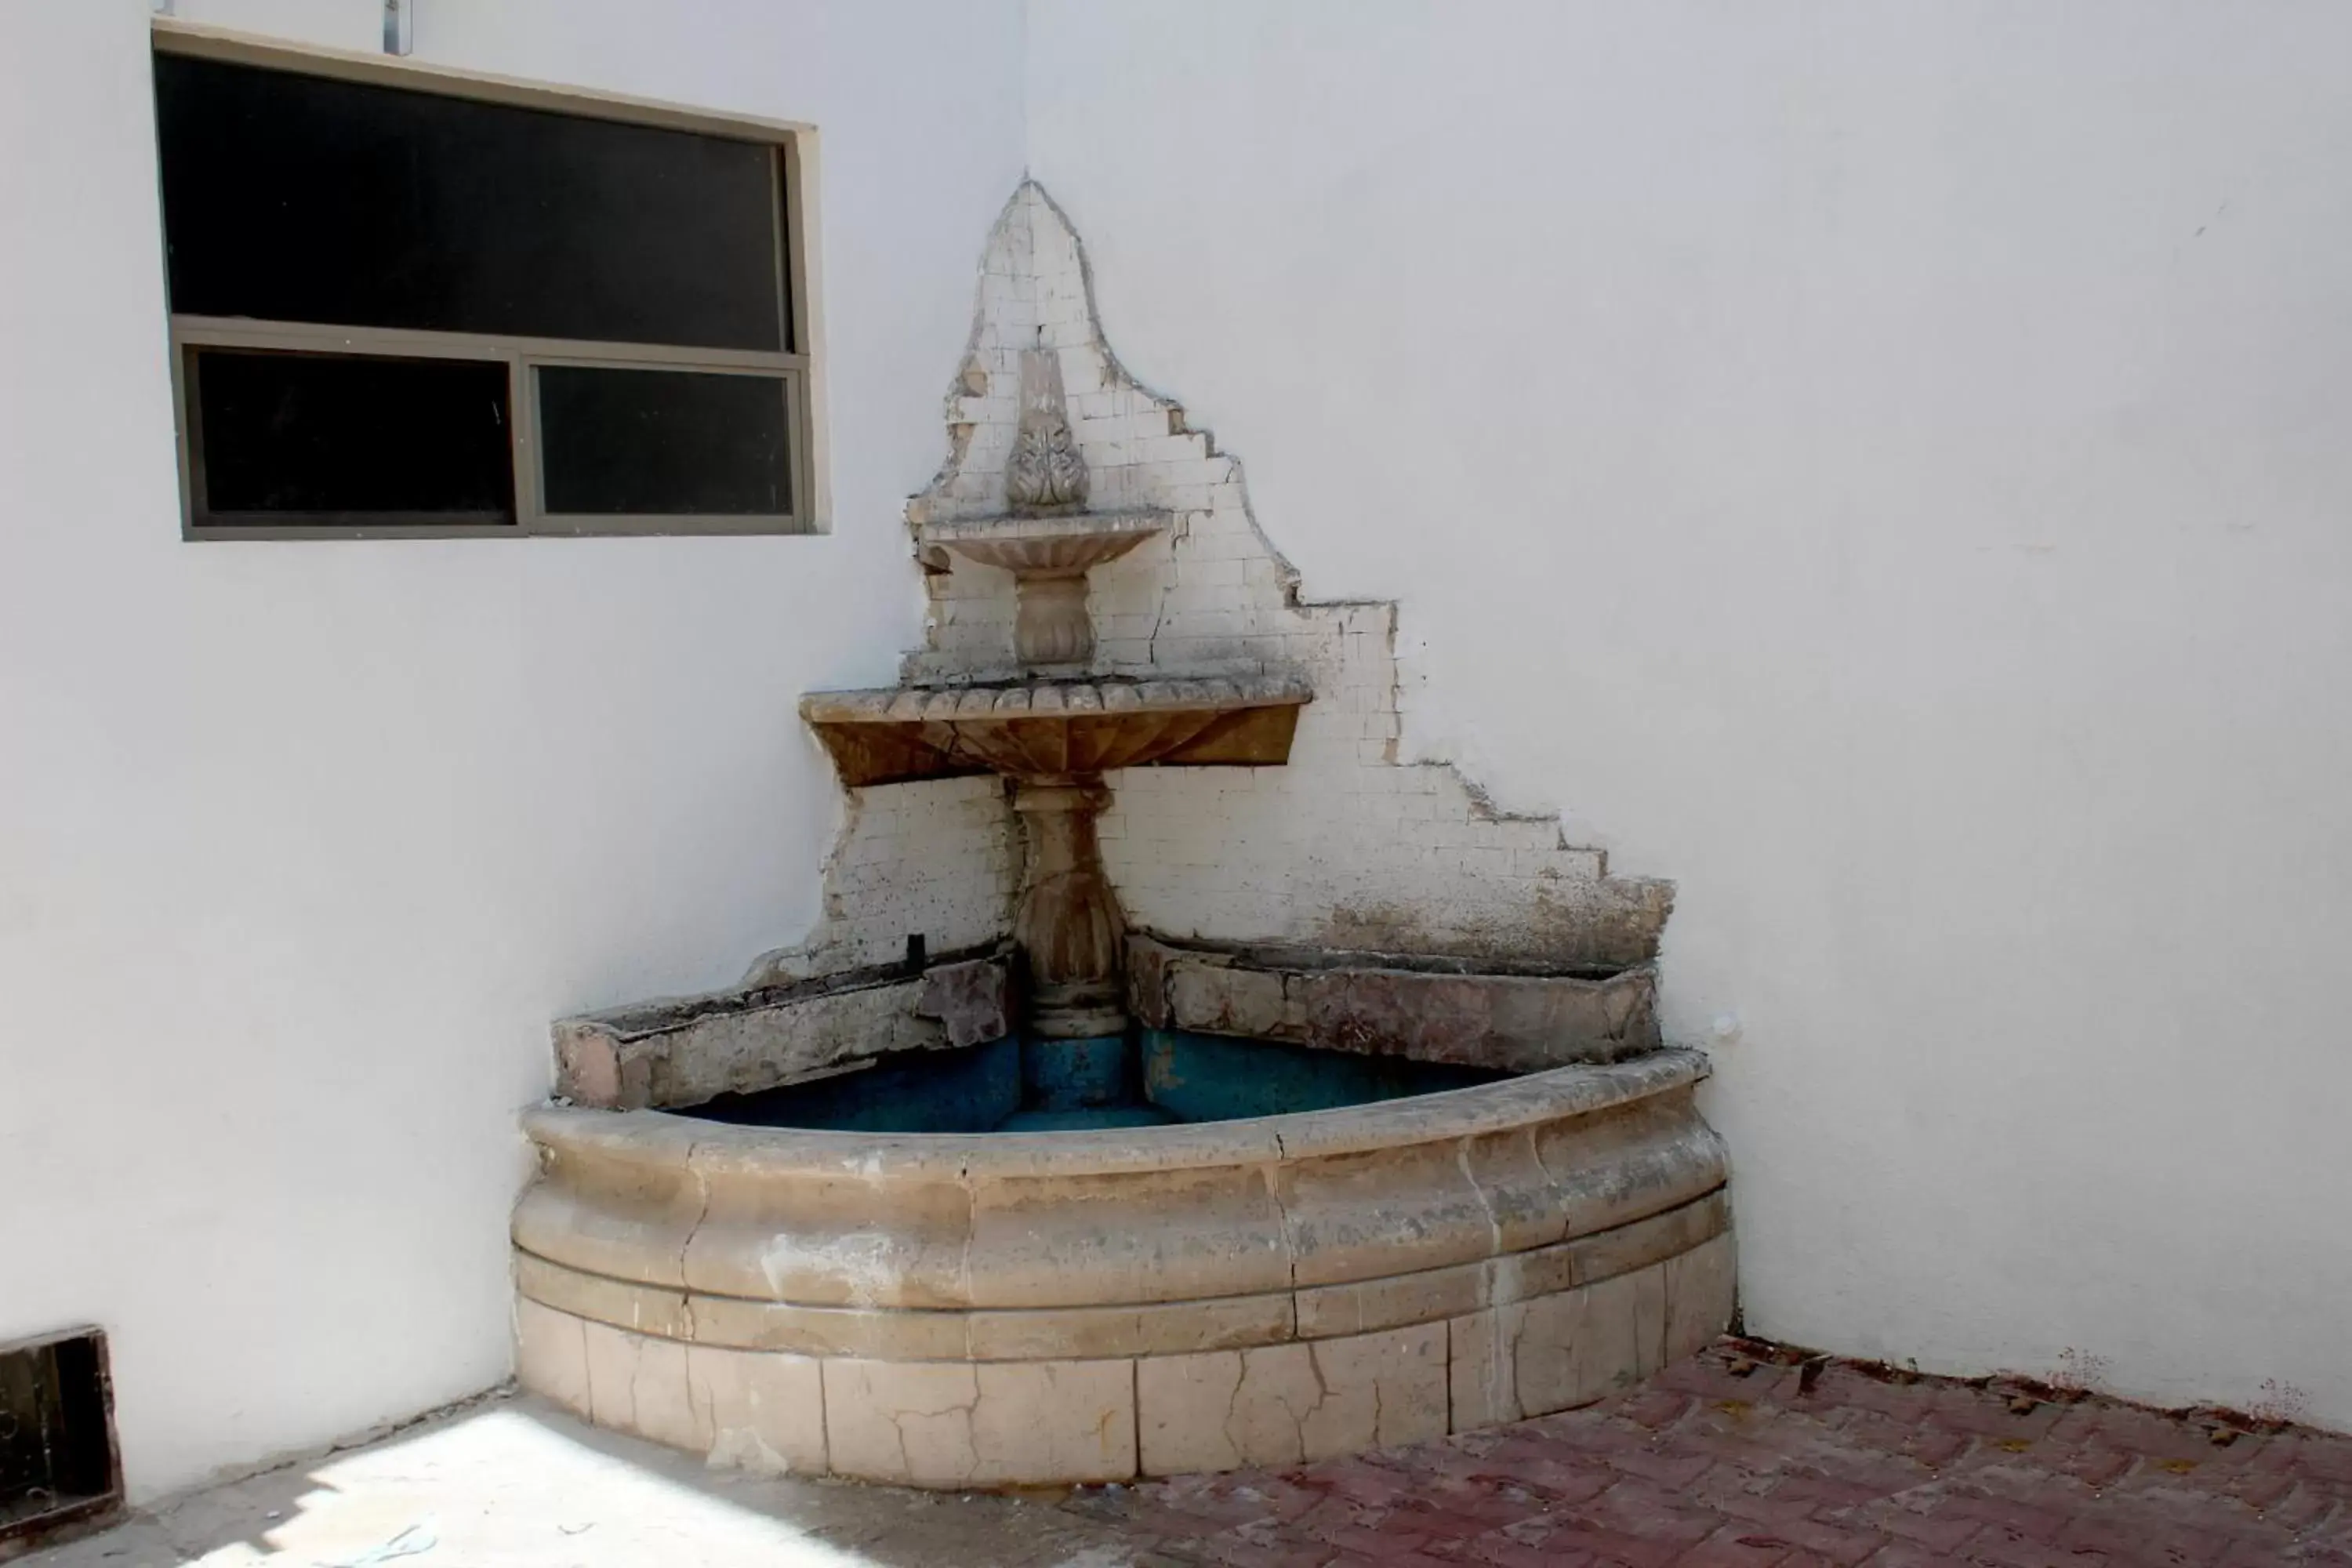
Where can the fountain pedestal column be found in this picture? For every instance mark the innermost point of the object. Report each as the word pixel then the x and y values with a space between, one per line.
pixel 1056 738
pixel 1071 939
pixel 1067 926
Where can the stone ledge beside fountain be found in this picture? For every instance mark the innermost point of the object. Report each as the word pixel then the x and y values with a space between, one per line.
pixel 684 1051
pixel 951 1310
pixel 1484 1013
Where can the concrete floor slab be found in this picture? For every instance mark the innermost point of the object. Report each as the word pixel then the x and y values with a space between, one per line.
pixel 515 1482
pixel 1731 1456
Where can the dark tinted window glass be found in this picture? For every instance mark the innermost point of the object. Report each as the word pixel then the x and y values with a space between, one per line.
pixel 333 432
pixel 662 441
pixel 297 198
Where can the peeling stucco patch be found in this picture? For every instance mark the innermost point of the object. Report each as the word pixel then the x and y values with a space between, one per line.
pixel 1348 846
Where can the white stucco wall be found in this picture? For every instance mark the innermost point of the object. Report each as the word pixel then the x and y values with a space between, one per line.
pixel 304 843
pixel 1884 467
pixel 1880 465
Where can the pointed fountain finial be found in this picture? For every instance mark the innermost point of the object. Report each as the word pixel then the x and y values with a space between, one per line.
pixel 1045 471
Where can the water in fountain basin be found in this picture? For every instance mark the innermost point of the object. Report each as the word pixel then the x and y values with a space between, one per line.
pixel 1162 1076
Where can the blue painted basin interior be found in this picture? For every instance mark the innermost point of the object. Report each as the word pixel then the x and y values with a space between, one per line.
pixel 1160 1077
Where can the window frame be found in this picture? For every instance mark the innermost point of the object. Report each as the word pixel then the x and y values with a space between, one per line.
pixel 796 370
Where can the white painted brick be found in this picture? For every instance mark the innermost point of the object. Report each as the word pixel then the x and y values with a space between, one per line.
pixel 1238 853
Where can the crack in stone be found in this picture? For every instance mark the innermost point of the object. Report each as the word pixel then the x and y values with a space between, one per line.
pixel 1233 1407
pixel 823 1415
pixel 965 1408
pixel 1666 1272
pixel 1290 1234
pixel 701 1213
pixel 1453 1420
pixel 971 1422
pixel 636 1348
pixel 963 1261
pixel 1299 1419
pixel 1510 1367
pixel 1485 1203
pixel 1177 535
pixel 1554 1187
pixel 899 1429
pixel 686 1295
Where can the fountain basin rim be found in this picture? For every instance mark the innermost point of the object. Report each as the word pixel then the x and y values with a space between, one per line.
pixel 1057 728
pixel 1057 697
pixel 666 1140
pixel 1017 526
pixel 1033 548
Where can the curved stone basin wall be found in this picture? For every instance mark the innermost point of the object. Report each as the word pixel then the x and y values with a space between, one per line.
pixel 952 1310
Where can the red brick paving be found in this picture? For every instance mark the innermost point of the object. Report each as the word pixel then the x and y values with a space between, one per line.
pixel 1705 1466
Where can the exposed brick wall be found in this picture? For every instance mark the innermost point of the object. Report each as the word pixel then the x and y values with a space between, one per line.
pixel 1350 844
pixel 940 860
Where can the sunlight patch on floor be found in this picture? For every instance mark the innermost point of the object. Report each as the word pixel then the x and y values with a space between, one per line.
pixel 496 1486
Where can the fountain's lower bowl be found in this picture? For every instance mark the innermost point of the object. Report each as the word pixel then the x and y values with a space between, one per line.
pixel 962 1310
pixel 1057 728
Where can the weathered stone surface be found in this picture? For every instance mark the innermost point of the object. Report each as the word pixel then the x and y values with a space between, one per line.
pixel 637 1384
pixel 993 1424
pixel 623 1204
pixel 1371 1305
pixel 1077 1240
pixel 1149 966
pixel 1702 1293
pixel 551 1354
pixel 1555 1352
pixel 1250 1002
pixel 1316 1283
pixel 764 1412
pixel 1113 1218
pixel 838 1237
pixel 625 1303
pixel 951 1423
pixel 1520 1024
pixel 1170 1328
pixel 1541 1272
pixel 869 1332
pixel 1035 729
pixel 1288 1404
pixel 1692 1238
pixel 1381 1212
pixel 1631 1162
pixel 1066 920
pixel 1402 1372
pixel 972 1000
pixel 684 1051
pixel 1521 1199
pixel 1430 1009
pixel 1049 558
pixel 1045 470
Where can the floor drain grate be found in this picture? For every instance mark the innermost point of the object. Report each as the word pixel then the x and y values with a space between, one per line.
pixel 57 1457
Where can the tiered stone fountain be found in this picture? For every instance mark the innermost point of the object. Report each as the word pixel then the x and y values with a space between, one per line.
pixel 1055 734
pixel 1097 1202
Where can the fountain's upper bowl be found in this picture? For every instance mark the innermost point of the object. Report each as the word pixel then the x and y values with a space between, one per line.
pixel 1058 729
pixel 1063 544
